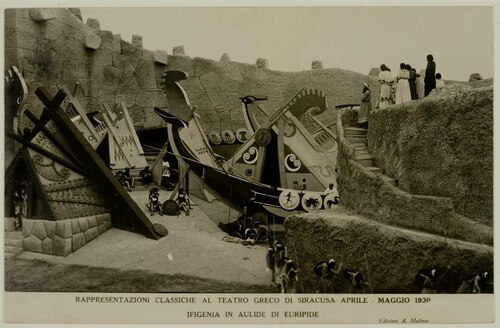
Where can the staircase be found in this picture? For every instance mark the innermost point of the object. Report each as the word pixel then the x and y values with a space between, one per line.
pixel 13 244
pixel 358 139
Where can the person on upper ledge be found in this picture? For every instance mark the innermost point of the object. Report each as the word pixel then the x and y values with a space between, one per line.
pixel 430 78
pixel 403 87
pixel 366 107
pixel 439 82
pixel 386 81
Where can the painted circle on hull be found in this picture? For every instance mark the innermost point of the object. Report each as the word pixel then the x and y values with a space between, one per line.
pixel 228 137
pixel 311 201
pixel 214 138
pixel 332 200
pixel 289 199
pixel 251 156
pixel 262 137
pixel 242 135
pixel 292 163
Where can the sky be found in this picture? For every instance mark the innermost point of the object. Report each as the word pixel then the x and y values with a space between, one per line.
pixel 290 38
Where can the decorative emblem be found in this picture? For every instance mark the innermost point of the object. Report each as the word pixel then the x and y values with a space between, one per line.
pixel 262 137
pixel 228 137
pixel 311 201
pixel 242 135
pixel 332 200
pixel 292 163
pixel 251 156
pixel 214 138
pixel 289 199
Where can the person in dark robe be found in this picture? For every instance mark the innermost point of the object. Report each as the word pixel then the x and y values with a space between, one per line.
pixel 411 81
pixel 430 75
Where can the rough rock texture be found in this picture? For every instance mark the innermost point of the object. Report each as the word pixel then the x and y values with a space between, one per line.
pixel 369 194
pixel 64 50
pixel 374 71
pixel 475 77
pixel 440 146
pixel 393 255
pixel 58 48
pixel 214 88
pixel 64 236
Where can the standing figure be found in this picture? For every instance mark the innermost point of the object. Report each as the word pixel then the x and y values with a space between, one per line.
pixel 419 85
pixel 20 206
pixel 386 81
pixel 366 107
pixel 356 281
pixel 165 173
pixel 326 272
pixel 403 89
pixel 439 82
pixel 289 277
pixel 411 82
pixel 430 79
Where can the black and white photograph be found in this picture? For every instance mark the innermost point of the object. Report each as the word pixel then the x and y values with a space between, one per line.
pixel 249 164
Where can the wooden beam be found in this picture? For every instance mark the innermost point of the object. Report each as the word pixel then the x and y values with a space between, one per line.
pixel 51 137
pixel 48 154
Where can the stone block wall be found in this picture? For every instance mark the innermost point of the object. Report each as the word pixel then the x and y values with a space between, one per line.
pixel 65 236
pixel 369 194
pixel 393 255
pixel 215 87
pixel 442 146
pixel 54 46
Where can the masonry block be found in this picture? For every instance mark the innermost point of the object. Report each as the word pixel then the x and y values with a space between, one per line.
pixel 160 57
pixel 42 14
pixel 27 227
pixel 63 229
pixel 75 228
pixel 84 224
pixel 32 244
pixel 47 246
pixel 78 240
pixel 92 221
pixel 137 41
pixel 178 50
pixel 92 41
pixel 117 43
pixel 39 230
pixel 50 228
pixel 76 12
pixel 93 23
pixel 61 246
pixel 101 229
pixel 91 234
pixel 107 225
pixel 316 64
pixel 9 224
pixel 128 48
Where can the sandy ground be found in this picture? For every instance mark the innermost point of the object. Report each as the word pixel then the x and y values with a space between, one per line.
pixel 194 246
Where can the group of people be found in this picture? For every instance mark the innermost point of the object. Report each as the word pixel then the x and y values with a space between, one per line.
pixel 407 85
pixel 327 270
pixel 452 280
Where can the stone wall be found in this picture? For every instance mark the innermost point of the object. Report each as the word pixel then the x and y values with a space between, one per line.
pixel 393 255
pixel 369 194
pixel 54 46
pixel 65 236
pixel 442 146
pixel 215 87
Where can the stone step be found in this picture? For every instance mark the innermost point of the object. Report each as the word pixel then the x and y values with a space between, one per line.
pixel 363 156
pixel 13 235
pixel 357 139
pixel 355 131
pixel 14 242
pixel 13 250
pixel 389 180
pixel 361 152
pixel 365 162
pixel 375 169
pixel 360 146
